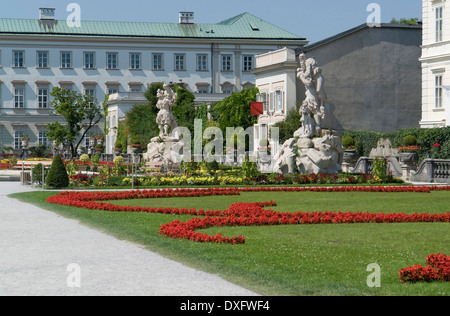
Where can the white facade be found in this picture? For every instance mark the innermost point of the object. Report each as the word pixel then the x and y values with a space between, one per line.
pixel 32 64
pixel 436 64
pixel 276 80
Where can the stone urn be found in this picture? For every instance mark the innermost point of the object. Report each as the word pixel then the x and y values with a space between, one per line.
pixel 135 149
pixel 350 155
pixel 409 157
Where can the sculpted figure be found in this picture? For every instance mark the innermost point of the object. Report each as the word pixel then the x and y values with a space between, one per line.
pixel 285 158
pixel 165 117
pixel 316 98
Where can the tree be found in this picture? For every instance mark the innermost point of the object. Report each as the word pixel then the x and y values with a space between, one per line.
pixel 412 21
pixel 80 112
pixel 141 123
pixel 184 109
pixel 234 111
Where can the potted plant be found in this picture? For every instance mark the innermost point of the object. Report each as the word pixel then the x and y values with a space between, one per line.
pixel 349 144
pixel 99 148
pixel 264 146
pixel 84 159
pixel 135 145
pixel 118 147
pixel 409 151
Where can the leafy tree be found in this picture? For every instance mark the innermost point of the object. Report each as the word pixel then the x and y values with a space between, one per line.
pixel 234 111
pixel 184 109
pixel 57 176
pixel 141 123
pixel 150 94
pixel 80 112
pixel 412 21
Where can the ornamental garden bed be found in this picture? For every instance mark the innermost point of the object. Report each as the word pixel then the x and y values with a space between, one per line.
pixel 280 241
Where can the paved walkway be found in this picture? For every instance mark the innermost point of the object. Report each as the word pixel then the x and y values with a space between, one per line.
pixel 38 249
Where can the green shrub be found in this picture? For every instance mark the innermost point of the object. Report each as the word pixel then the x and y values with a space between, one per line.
pixel 37 174
pixel 57 176
pixel 409 140
pixel 348 142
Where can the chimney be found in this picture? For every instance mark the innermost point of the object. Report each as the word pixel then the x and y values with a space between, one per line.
pixel 186 17
pixel 47 14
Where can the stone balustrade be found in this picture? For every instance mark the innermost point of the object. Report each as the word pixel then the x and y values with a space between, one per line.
pixel 432 170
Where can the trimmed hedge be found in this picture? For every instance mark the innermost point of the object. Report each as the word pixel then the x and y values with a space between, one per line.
pixel 427 139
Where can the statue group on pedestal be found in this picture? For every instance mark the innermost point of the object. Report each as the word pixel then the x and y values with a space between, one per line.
pixel 160 149
pixel 316 147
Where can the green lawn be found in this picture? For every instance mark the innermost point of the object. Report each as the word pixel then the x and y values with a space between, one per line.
pixel 296 259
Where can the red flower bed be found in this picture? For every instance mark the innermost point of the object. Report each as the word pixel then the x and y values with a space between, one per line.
pixel 438 269
pixel 242 214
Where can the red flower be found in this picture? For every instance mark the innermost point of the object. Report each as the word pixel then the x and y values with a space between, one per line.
pixel 246 214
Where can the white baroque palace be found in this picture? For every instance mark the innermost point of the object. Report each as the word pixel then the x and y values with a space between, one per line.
pixel 121 59
pixel 436 64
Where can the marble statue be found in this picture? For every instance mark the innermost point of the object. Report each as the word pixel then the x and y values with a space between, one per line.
pixel 317 145
pixel 285 158
pixel 165 117
pixel 164 149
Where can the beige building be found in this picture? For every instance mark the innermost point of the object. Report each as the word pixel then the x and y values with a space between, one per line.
pixel 276 80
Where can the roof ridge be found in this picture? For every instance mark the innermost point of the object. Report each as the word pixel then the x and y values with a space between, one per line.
pixel 244 25
pixel 232 20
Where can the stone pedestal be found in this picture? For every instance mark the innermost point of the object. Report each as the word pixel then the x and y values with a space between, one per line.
pixel 164 152
pixel 406 171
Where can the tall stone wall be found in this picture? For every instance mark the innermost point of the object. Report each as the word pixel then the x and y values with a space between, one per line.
pixel 373 77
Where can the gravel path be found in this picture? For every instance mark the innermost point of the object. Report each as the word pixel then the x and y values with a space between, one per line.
pixel 42 253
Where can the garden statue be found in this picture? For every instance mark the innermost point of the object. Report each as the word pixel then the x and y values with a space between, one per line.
pixel 163 150
pixel 165 117
pixel 316 147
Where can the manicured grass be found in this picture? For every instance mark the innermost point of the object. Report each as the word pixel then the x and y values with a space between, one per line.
pixel 328 259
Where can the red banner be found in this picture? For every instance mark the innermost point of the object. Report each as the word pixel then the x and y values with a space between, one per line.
pixel 256 108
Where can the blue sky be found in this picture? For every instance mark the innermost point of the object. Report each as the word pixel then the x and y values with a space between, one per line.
pixel 313 19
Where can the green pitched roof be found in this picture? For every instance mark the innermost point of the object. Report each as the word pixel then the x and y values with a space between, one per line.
pixel 243 26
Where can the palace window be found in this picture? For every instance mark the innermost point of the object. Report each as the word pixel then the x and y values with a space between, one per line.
pixel 19 97
pixel 88 60
pixel 112 61
pixel 226 63
pixel 43 138
pixel 438 92
pixel 42 60
pixel 43 94
pixel 180 62
pixel 66 60
pixel 157 61
pixel 439 24
pixel 202 62
pixel 247 64
pixel 18 140
pixel 279 104
pixel 135 61
pixel 19 59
